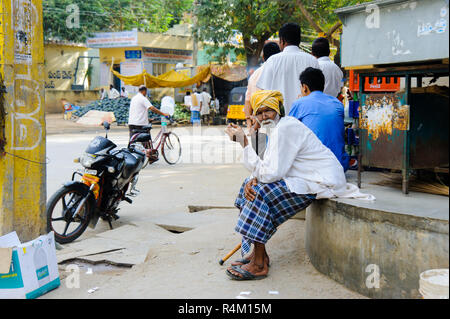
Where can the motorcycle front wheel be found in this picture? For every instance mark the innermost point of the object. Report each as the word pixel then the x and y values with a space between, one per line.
pixel 61 213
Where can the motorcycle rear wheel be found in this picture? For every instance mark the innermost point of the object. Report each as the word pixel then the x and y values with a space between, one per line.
pixel 60 210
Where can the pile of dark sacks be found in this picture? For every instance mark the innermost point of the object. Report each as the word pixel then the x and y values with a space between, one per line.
pixel 119 107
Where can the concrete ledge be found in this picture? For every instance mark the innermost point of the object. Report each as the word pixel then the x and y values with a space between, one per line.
pixel 301 215
pixel 353 244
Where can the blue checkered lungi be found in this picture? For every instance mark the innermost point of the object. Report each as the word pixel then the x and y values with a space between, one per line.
pixel 274 204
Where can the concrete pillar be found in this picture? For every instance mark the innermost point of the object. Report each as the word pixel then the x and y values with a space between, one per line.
pixel 22 126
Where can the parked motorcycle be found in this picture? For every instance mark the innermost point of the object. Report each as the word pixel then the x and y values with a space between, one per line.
pixel 107 175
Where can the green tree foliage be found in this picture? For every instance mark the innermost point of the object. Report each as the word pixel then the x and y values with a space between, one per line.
pixel 218 21
pixel 57 14
pixel 110 15
pixel 320 13
pixel 257 20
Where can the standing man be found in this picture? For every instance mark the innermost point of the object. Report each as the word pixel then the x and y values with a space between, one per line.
pixel 269 49
pixel 282 71
pixel 113 93
pixel 188 100
pixel 196 107
pixel 321 113
pixel 333 74
pixel 139 106
pixel 206 100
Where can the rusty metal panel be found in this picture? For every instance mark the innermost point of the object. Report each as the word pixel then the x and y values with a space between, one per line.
pixel 384 123
pixel 384 152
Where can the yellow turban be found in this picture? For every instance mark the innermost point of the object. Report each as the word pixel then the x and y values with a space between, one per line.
pixel 269 98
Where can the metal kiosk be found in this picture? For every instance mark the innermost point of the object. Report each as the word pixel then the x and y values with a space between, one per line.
pixel 407 129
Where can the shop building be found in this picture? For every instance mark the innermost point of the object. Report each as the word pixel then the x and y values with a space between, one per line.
pixel 131 52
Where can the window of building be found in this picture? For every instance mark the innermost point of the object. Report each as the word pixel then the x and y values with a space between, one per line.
pixel 159 68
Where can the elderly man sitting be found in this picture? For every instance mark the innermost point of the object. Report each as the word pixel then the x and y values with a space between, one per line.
pixel 297 168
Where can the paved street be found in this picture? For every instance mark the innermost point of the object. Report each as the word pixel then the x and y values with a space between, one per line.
pixel 181 262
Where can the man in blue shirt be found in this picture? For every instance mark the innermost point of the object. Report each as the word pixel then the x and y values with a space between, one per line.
pixel 322 113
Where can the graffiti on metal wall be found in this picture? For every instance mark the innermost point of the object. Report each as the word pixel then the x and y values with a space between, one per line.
pixel 439 26
pixel 382 113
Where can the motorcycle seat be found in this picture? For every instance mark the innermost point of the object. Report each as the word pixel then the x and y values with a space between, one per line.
pixel 142 129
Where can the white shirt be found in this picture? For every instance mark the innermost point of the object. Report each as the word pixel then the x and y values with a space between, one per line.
pixel 124 93
pixel 138 114
pixel 282 71
pixel 295 154
pixel 217 105
pixel 252 83
pixel 206 97
pixel 113 93
pixel 196 107
pixel 188 100
pixel 333 76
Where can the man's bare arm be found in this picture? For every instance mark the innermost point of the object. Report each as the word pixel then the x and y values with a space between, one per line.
pixel 155 110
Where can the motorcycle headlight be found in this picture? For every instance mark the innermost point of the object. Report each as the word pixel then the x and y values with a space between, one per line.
pixel 88 159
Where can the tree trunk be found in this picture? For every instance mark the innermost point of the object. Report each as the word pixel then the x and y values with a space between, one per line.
pixel 253 50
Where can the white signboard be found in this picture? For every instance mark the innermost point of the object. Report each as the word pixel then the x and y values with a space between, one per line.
pixel 105 74
pixel 130 67
pixel 113 39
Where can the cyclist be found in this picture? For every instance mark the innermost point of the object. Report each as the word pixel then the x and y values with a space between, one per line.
pixel 138 115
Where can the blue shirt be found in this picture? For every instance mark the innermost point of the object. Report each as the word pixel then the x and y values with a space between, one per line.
pixel 324 115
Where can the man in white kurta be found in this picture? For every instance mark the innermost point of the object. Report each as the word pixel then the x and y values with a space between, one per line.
pixel 296 169
pixel 206 102
pixel 269 49
pixel 333 74
pixel 113 93
pixel 282 71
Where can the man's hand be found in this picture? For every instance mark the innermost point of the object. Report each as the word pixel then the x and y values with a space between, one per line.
pixel 249 191
pixel 252 125
pixel 236 134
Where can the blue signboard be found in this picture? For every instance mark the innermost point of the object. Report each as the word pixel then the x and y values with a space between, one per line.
pixel 133 54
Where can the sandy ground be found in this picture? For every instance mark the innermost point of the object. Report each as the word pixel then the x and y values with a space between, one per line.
pixel 186 265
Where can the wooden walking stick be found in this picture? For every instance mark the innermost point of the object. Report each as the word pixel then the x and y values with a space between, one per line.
pixel 231 253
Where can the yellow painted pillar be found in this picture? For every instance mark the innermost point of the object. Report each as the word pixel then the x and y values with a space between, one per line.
pixel 22 122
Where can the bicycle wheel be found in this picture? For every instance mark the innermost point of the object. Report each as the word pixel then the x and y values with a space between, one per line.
pixel 60 210
pixel 171 148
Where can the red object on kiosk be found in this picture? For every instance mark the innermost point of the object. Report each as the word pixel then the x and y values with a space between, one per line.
pixel 374 83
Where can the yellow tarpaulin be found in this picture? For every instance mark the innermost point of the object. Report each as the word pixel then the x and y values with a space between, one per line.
pixel 231 73
pixel 173 79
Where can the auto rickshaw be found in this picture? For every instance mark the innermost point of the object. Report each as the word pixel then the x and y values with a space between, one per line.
pixel 235 112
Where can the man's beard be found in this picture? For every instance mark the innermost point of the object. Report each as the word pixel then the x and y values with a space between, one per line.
pixel 269 124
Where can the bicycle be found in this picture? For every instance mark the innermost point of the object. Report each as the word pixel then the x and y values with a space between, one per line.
pixel 167 141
